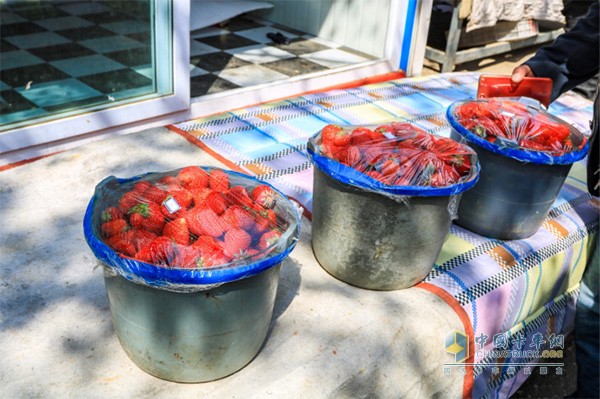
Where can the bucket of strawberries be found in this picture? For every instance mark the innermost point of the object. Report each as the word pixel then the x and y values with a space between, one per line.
pixel 383 200
pixel 525 154
pixel 191 262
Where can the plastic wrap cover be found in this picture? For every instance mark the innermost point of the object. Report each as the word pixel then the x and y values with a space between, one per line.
pixel 510 122
pixel 352 177
pixel 186 280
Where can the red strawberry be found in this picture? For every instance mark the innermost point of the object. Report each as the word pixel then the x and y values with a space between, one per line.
pixel 128 201
pixel 265 220
pixel 205 222
pixel 438 179
pixel 159 251
pixel 371 156
pixel 402 181
pixel 235 242
pixel 214 258
pixel 155 194
pixel 258 229
pixel 375 136
pixel 199 194
pixel 378 176
pixel 444 147
pixel 462 164
pixel 238 195
pixel 122 243
pixel 168 181
pixel 361 135
pixel 217 202
pixel 178 231
pixel 111 213
pixel 271 216
pixel 141 238
pixel 339 153
pixel 206 244
pixel 237 217
pixel 253 254
pixel 218 180
pixel 182 196
pixel 353 157
pixel 171 209
pixel 402 131
pixel 193 177
pixel 147 216
pixel 141 187
pixel 386 130
pixel 268 239
pixel 114 227
pixel 451 175
pixel 186 257
pixel 264 196
pixel 176 203
pixel 424 140
pixel 335 135
pixel 390 169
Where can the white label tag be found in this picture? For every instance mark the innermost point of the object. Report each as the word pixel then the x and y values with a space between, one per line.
pixel 172 205
pixel 389 135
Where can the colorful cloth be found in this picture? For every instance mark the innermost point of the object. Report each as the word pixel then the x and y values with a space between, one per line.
pixel 502 290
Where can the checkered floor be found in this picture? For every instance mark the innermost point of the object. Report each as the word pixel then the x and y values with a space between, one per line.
pixel 239 54
pixel 59 56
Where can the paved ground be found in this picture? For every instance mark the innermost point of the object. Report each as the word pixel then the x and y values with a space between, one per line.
pixel 553 386
pixel 49 285
pixel 326 338
pixel 537 386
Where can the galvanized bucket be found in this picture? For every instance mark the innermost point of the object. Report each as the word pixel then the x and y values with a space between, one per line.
pixel 191 324
pixel 512 198
pixel 517 186
pixel 372 241
pixel 193 337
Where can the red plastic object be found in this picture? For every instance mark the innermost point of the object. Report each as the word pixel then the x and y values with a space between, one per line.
pixel 501 86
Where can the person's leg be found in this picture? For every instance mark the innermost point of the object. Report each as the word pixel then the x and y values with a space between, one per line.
pixel 587 331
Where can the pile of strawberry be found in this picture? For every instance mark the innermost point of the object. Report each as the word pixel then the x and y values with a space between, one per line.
pixel 398 154
pixel 191 220
pixel 509 122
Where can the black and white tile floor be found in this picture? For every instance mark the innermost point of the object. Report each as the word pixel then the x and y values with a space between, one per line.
pixel 239 54
pixel 60 55
pixel 57 56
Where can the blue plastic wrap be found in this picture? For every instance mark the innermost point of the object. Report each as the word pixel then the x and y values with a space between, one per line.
pixel 352 177
pixel 518 129
pixel 188 279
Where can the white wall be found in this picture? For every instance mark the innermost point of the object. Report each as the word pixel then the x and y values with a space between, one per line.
pixel 358 24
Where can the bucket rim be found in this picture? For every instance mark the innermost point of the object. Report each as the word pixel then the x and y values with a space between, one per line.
pixel 177 279
pixel 352 177
pixel 523 155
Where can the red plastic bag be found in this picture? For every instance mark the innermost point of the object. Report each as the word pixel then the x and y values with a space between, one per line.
pixel 501 86
pixel 397 154
pixel 194 217
pixel 513 124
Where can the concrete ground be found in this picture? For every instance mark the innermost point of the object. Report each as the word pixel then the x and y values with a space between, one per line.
pixel 537 386
pixel 326 338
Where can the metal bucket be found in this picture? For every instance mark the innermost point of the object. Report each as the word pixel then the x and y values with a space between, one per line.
pixel 372 241
pixel 193 337
pixel 512 198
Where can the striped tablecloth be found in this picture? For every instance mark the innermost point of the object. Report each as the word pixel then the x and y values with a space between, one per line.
pixel 511 295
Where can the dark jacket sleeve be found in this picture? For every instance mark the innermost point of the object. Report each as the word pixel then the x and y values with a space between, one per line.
pixel 573 57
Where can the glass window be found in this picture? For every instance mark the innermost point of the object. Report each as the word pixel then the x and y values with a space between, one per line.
pixel 65 58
